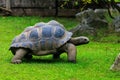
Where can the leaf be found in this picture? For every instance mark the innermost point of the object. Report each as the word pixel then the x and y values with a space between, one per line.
pixel 76 3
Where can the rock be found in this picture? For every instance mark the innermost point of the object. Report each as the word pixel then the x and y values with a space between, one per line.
pixel 83 30
pixel 98 23
pixel 93 18
pixel 90 20
pixel 100 13
pixel 116 65
pixel 116 24
pixel 85 16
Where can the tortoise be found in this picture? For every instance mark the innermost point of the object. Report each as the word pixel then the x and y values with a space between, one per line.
pixel 44 39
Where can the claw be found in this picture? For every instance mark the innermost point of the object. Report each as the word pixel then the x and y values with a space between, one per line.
pixel 16 62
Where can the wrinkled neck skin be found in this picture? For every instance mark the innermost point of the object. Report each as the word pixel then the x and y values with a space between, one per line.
pixel 79 40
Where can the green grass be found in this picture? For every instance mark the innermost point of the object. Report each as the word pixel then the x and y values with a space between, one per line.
pixel 93 59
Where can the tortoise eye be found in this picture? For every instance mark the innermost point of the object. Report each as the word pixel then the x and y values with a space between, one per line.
pixel 59 32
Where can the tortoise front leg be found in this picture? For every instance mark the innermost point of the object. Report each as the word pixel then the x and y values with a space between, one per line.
pixel 71 52
pixel 20 53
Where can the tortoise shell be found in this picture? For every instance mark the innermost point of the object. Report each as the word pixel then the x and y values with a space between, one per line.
pixel 52 22
pixel 44 36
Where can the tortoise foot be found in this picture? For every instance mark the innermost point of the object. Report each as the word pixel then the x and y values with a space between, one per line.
pixel 72 61
pixel 16 61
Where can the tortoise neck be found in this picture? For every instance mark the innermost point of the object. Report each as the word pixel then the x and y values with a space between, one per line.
pixel 79 40
pixel 74 41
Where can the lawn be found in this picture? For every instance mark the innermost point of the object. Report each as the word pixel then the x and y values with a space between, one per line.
pixel 93 59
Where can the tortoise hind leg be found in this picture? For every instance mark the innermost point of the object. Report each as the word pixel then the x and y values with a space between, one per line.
pixel 56 56
pixel 28 56
pixel 20 53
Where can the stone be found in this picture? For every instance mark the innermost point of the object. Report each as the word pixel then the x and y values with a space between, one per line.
pixel 89 21
pixel 83 29
pixel 85 16
pixel 100 13
pixel 116 65
pixel 116 24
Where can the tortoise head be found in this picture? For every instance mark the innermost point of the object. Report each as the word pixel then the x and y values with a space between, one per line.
pixel 79 40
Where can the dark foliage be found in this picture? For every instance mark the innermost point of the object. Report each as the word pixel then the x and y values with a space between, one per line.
pixel 94 4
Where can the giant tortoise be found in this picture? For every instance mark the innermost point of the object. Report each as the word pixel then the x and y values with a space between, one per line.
pixel 44 39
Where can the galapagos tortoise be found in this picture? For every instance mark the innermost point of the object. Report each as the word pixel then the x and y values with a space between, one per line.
pixel 43 39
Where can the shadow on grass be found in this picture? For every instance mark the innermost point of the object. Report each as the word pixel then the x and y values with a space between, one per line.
pixel 79 63
pixel 83 62
pixel 45 61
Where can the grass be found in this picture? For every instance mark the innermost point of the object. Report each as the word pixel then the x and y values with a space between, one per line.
pixel 93 59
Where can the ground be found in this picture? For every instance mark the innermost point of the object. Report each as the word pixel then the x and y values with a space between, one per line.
pixel 93 59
